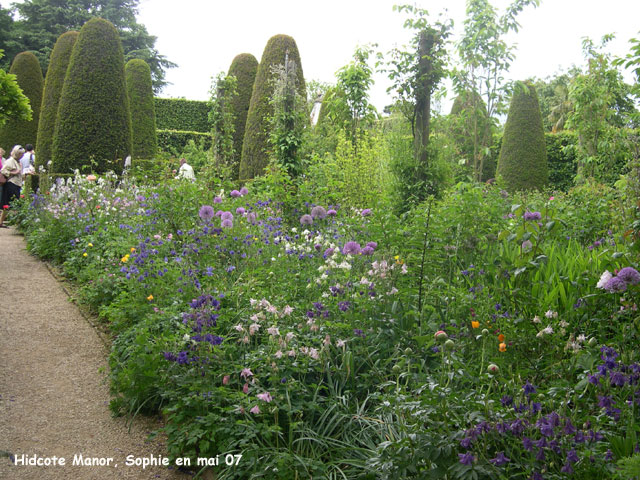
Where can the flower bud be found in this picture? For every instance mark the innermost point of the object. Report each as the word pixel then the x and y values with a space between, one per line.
pixel 449 344
pixel 408 351
pixel 592 342
pixel 493 368
pixel 441 336
pixel 485 332
pixel 396 369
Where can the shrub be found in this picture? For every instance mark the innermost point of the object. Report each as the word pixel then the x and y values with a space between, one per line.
pixel 182 114
pixel 244 68
pixel 174 141
pixel 561 159
pixel 29 77
pixel 93 116
pixel 523 160
pixel 143 118
pixel 256 140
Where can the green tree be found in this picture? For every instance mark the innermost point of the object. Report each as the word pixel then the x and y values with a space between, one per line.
pixel 522 163
pixel 224 90
pixel 244 68
pixel 143 117
pixel 41 22
pixel 54 81
pixel 28 74
pixel 93 123
pixel 255 147
pixel 9 41
pixel 485 56
pixel 13 102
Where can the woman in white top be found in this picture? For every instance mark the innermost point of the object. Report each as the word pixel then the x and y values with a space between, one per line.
pixel 12 170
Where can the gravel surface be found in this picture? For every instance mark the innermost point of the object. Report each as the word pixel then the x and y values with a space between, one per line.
pixel 54 392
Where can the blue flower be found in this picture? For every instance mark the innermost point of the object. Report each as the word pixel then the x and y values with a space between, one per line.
pixel 500 459
pixel 466 458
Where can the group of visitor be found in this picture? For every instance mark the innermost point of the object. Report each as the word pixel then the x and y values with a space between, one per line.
pixel 19 163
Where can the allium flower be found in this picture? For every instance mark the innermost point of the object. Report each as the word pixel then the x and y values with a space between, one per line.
pixel 244 191
pixel 318 212
pixel 235 194
pixel 240 210
pixel 255 410
pixel 629 275
pixel 367 250
pixel 373 245
pixel 366 212
pixel 206 212
pixel 265 397
pixel 615 284
pixel 332 212
pixel 604 278
pixel 351 248
pixel 532 216
pixel 226 216
pixel 227 223
pixel 306 219
pixel 328 252
pixel 217 200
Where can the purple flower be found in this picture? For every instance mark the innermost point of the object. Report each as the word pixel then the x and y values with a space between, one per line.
pixel 528 388
pixel 327 253
pixel 615 284
pixel 235 194
pixel 366 212
pixel 358 332
pixel 318 212
pixel 532 216
pixel 604 401
pixel 527 444
pixel 572 456
pixel 226 223
pixel 537 476
pixel 251 218
pixel 244 191
pixel 206 212
pixel 226 216
pixel 367 250
pixel 629 275
pixel 373 245
pixel 240 211
pixel 500 459
pixel 306 219
pixel 567 468
pixel 332 212
pixel 466 458
pixel 217 200
pixel 466 442
pixel 351 248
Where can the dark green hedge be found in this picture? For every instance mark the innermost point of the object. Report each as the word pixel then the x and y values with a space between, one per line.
pixel 244 67
pixel 28 74
pixel 58 63
pixel 181 114
pixel 255 147
pixel 93 123
pixel 561 159
pixel 522 164
pixel 174 141
pixel 143 119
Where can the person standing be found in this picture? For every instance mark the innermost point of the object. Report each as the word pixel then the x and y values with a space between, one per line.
pixel 28 160
pixel 186 170
pixel 2 152
pixel 12 170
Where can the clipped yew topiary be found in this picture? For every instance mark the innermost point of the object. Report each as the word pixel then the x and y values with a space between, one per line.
pixel 28 74
pixel 93 125
pixel 255 147
pixel 244 67
pixel 143 118
pixel 58 63
pixel 522 163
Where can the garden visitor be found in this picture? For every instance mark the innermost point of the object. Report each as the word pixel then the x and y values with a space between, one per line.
pixel 186 170
pixel 12 170
pixel 28 160
pixel 2 152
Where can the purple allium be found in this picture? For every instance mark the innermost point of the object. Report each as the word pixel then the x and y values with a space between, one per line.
pixel 615 284
pixel 217 200
pixel 226 216
pixel 219 212
pixel 306 219
pixel 351 248
pixel 251 218
pixel 532 216
pixel 500 459
pixel 206 212
pixel 318 212
pixel 332 212
pixel 629 275
pixel 328 252
pixel 227 223
pixel 240 211
pixel 244 191
pixel 373 245
pixel 367 250
pixel 366 212
pixel 235 194
pixel 466 458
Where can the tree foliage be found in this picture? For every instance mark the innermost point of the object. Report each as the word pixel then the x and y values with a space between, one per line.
pixel 60 57
pixel 141 106
pixel 255 147
pixel 224 90
pixel 522 164
pixel 13 102
pixel 93 123
pixel 41 22
pixel 28 75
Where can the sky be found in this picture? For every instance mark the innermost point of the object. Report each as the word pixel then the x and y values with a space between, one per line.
pixel 203 36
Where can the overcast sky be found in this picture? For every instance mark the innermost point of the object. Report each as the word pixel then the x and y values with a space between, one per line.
pixel 203 36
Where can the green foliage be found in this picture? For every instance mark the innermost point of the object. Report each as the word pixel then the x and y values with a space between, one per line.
pixel 28 76
pixel 222 118
pixel 143 119
pixel 561 159
pixel 255 147
pixel 244 67
pixel 182 114
pixel 174 141
pixel 14 103
pixel 58 63
pixel 523 159
pixel 94 122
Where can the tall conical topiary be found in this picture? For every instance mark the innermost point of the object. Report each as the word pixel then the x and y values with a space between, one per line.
pixel 255 146
pixel 244 67
pixel 523 157
pixel 28 74
pixel 143 117
pixel 58 63
pixel 93 125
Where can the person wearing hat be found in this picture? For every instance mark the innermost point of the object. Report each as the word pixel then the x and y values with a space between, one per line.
pixel 12 170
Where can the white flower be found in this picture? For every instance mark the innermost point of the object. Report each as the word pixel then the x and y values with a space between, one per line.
pixel 545 331
pixel 340 343
pixel 273 331
pixel 550 314
pixel 404 268
pixel 278 354
pixel 604 278
pixel 253 328
pixel 238 328
pixel 537 319
pixel 290 336
pixel 581 338
pixel 564 324
pixel 313 353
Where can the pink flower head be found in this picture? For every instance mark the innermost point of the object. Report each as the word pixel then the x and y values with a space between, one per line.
pixel 217 200
pixel 225 380
pixel 265 397
pixel 245 388
pixel 235 193
pixel 255 410
pixel 244 191
pixel 246 373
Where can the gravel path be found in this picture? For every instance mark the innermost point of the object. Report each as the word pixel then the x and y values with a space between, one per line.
pixel 53 389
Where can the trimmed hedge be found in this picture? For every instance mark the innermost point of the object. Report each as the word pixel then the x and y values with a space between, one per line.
pixel 244 67
pixel 255 147
pixel 28 74
pixel 58 64
pixel 522 164
pixel 143 120
pixel 181 114
pixel 93 120
pixel 561 159
pixel 174 141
